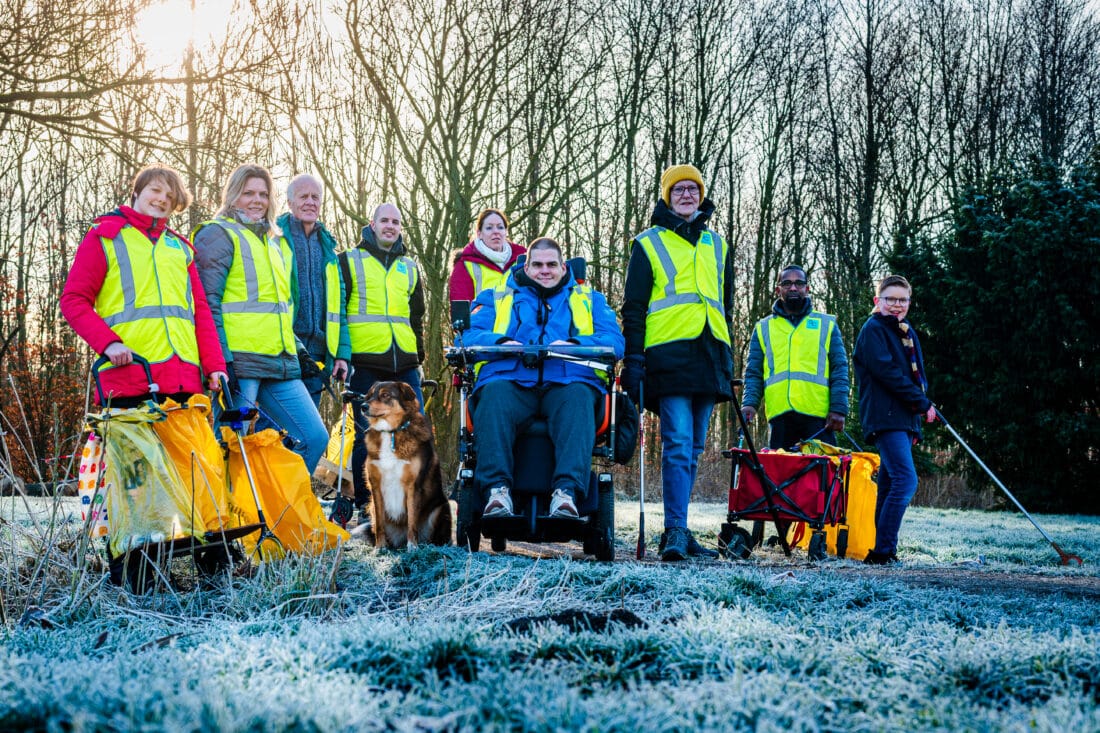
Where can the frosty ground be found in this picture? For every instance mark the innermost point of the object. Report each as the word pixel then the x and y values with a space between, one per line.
pixel 978 629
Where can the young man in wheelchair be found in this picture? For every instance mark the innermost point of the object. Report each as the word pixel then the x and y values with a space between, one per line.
pixel 541 304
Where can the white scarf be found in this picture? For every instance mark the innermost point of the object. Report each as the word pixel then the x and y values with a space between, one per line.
pixel 500 259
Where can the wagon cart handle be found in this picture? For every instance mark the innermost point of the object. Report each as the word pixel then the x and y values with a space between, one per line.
pixel 141 361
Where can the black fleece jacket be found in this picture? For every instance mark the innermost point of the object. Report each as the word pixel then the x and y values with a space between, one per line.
pixel 702 365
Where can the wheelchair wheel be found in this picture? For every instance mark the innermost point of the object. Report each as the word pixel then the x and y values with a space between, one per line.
pixel 468 522
pixel 600 538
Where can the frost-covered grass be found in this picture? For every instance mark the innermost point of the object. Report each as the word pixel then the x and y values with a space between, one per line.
pixel 1002 640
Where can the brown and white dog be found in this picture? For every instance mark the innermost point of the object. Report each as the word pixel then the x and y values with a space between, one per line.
pixel 408 506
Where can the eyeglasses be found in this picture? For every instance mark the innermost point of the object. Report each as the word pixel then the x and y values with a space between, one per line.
pixel 787 284
pixel 896 301
pixel 691 190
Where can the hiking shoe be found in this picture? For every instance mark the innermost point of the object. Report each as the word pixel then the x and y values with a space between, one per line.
pixel 694 549
pixel 674 544
pixel 880 558
pixel 562 505
pixel 342 509
pixel 499 504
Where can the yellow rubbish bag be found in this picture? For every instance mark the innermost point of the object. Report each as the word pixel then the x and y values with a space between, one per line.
pixel 282 482
pixel 332 452
pixel 147 501
pixel 190 442
pixel 857 536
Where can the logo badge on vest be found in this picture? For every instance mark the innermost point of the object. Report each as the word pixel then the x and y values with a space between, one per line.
pixel 401 267
pixel 813 324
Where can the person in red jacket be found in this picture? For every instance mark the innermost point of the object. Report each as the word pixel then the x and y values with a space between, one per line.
pixel 134 289
pixel 484 263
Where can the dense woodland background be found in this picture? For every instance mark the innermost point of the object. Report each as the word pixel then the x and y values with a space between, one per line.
pixel 953 141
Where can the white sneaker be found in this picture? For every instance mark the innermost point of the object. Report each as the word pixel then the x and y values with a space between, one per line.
pixel 499 504
pixel 562 505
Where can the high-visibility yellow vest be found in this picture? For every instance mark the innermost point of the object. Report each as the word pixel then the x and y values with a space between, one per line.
pixel 146 295
pixel 580 307
pixel 332 300
pixel 378 303
pixel 796 363
pixel 256 310
pixel 484 277
pixel 687 286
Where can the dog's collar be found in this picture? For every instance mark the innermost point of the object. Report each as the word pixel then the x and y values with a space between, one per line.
pixel 398 429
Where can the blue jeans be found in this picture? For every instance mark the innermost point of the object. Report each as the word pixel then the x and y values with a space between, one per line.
pixel 897 482
pixel 361 381
pixel 287 403
pixel 684 420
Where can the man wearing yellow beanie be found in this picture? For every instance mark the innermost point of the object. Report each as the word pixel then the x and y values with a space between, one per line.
pixel 676 318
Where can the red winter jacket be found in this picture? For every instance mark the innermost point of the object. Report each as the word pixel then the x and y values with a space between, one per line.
pixel 78 307
pixel 462 285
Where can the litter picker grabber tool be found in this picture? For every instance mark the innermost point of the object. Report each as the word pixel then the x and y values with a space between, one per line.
pixel 640 552
pixel 1064 557
pixel 236 418
pixel 342 506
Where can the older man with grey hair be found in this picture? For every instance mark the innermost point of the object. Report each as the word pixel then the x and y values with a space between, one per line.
pixel 317 286
pixel 385 307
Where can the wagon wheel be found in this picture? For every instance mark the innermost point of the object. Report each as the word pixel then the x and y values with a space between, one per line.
pixel 734 542
pixel 817 546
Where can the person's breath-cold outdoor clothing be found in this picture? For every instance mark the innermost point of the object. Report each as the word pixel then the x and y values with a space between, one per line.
pixel 463 286
pixel 837 363
pixel 83 285
pixel 394 359
pixel 215 254
pixel 889 397
pixel 540 316
pixel 700 365
pixel 312 255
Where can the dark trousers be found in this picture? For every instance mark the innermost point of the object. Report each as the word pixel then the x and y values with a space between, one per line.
pixel 504 408
pixel 361 381
pixel 792 427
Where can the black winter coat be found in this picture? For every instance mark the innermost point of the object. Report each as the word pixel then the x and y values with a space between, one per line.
pixel 703 365
pixel 889 399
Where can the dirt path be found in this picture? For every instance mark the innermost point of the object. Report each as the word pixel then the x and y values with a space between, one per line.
pixel 967 579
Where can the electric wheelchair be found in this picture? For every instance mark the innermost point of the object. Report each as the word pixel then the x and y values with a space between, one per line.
pixel 534 459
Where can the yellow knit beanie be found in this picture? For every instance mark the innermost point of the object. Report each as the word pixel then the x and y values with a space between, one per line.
pixel 675 174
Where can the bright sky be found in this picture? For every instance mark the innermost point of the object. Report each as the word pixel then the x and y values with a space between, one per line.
pixel 165 28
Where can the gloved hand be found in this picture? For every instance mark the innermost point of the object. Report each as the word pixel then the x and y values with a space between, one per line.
pixel 233 387
pixel 308 365
pixel 631 377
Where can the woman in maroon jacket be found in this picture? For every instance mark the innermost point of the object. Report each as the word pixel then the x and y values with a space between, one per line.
pixel 134 289
pixel 483 263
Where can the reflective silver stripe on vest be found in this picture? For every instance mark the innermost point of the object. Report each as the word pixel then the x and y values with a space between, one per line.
pixel 130 311
pixel 251 284
pixel 477 279
pixel 672 298
pixel 822 356
pixel 380 319
pixel 360 316
pixel 250 307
